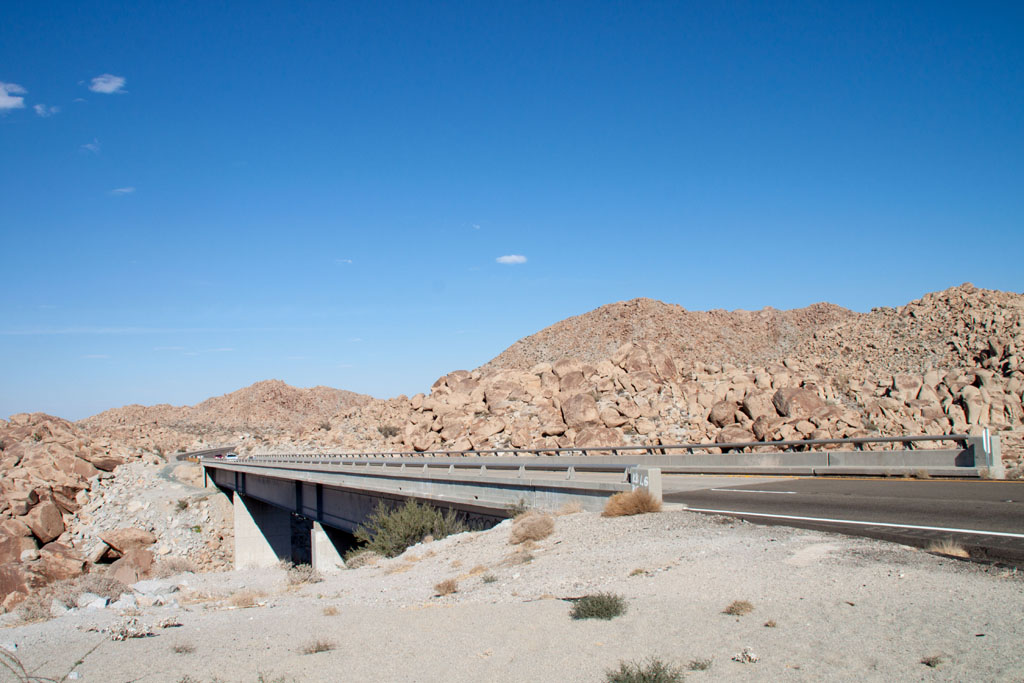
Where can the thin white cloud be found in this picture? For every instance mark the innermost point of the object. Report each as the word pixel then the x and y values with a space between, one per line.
pixel 92 147
pixel 168 348
pixel 356 340
pixel 511 259
pixel 7 96
pixel 107 84
pixel 343 260
pixel 44 111
pixel 476 226
pixel 96 356
pixel 122 191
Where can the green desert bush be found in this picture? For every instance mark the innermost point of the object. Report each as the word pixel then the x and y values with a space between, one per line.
pixel 389 531
pixel 599 606
pixel 653 671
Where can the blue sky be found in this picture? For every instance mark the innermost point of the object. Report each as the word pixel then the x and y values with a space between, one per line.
pixel 201 195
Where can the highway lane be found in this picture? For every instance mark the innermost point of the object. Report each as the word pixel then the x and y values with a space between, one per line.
pixel 986 517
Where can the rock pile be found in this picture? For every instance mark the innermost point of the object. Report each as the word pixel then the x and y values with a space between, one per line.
pixel 71 503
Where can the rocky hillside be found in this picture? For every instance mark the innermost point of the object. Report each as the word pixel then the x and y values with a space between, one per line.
pixel 266 410
pixel 737 337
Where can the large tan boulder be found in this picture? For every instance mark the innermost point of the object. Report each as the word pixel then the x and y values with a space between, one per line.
pixel 612 417
pixel 759 404
pixel 102 461
pixel 128 538
pixel 572 383
pixel 45 521
pixel 735 434
pixel 598 436
pixel 722 413
pixel 580 410
pixel 565 366
pixel 133 566
pixel 792 402
pixel 60 562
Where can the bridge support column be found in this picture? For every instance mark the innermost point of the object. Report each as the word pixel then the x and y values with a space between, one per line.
pixel 323 542
pixel 263 533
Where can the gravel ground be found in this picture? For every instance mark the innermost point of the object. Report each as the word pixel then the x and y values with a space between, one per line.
pixel 842 609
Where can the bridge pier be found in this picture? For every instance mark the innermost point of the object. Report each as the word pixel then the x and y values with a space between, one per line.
pixel 263 533
pixel 325 542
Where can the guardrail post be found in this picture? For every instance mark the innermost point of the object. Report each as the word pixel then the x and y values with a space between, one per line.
pixel 646 478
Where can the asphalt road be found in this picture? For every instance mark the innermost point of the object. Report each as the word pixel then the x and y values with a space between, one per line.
pixel 985 517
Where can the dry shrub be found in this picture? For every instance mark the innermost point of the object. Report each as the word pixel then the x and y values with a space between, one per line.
pixel 770 624
pixel 331 611
pixel 183 648
pixel 948 547
pixel 302 574
pixel 447 587
pixel 246 598
pixel 569 509
pixel 738 608
pixel 68 591
pixel 598 606
pixel 363 558
pixel 531 526
pixel 635 502
pixel 479 569
pixel 35 608
pixel 319 645
pixel 654 671
pixel 399 568
pixel 172 566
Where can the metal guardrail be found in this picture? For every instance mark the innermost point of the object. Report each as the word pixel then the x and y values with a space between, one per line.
pixel 786 446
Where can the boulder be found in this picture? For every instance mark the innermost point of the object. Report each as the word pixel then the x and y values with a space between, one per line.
pixel 60 562
pixel 580 410
pixel 735 434
pixel 759 404
pixel 45 521
pixel 792 402
pixel 612 417
pixel 129 538
pixel 102 461
pixel 722 413
pixel 598 436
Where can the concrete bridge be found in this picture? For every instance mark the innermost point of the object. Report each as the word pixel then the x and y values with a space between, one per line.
pixel 337 492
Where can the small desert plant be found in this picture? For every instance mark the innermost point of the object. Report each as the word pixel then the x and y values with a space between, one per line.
pixel 243 599
pixel 331 611
pixel 531 526
pixel 770 624
pixel 922 474
pixel 172 566
pixel 653 671
pixel 182 504
pixel 700 664
pixel 488 578
pixel 68 591
pixel 196 529
pixel 360 557
pixel 569 509
pixel 183 648
pixel 447 587
pixel 303 573
pixel 389 531
pixel 388 431
pixel 35 608
pixel 598 606
pixel 934 661
pixel 518 508
pixel 635 502
pixel 319 645
pixel 737 608
pixel 638 572
pixel 948 547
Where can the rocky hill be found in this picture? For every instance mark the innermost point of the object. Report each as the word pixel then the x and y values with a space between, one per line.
pixel 266 410
pixel 736 337
pixel 638 372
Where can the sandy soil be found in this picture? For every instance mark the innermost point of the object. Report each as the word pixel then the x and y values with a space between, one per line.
pixel 842 608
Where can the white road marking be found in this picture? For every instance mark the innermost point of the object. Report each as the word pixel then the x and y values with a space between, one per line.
pixel 851 521
pixel 792 493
